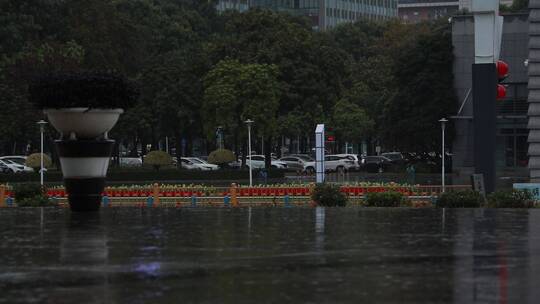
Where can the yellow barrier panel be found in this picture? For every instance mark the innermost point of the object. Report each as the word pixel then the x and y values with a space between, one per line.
pixel 156 194
pixel 234 198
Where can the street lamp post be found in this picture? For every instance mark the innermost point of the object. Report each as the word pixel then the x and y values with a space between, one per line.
pixel 249 122
pixel 443 122
pixel 41 124
pixel 219 135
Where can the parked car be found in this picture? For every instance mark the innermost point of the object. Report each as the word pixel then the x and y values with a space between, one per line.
pixel 13 167
pixel 4 168
pixel 257 162
pixel 353 157
pixel 19 159
pixel 374 164
pixel 395 157
pixel 201 164
pixel 295 162
pixel 332 163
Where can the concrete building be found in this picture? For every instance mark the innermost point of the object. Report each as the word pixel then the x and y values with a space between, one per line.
pixel 511 150
pixel 412 11
pixel 324 14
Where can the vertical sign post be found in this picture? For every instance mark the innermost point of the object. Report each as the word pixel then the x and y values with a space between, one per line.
pixel 319 153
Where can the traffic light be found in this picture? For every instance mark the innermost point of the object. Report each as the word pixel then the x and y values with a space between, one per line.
pixel 502 74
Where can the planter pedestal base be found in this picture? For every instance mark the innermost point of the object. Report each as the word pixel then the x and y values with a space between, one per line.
pixel 84 166
pixel 84 194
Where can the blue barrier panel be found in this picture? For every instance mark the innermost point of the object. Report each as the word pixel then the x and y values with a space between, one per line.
pixel 287 201
pixel 227 200
pixel 105 201
pixel 193 201
pixel 149 201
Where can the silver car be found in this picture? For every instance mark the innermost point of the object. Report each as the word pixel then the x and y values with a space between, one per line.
pixel 295 162
pixel 332 163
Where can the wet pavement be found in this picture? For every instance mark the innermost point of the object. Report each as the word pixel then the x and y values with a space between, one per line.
pixel 269 255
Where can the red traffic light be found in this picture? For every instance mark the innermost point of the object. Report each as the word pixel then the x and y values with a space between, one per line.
pixel 501 91
pixel 330 138
pixel 502 69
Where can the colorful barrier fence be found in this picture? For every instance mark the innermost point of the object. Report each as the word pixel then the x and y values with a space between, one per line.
pixel 167 191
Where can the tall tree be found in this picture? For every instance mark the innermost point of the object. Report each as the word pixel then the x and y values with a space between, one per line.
pixel 235 92
pixel 424 91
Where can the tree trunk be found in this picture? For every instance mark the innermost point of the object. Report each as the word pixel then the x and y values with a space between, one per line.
pixel 268 152
pixel 178 146
pixel 116 153
pixel 244 153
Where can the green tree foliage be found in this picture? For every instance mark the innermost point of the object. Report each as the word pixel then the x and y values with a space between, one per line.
pixel 235 92
pixel 311 66
pixel 198 70
pixel 424 93
pixel 351 121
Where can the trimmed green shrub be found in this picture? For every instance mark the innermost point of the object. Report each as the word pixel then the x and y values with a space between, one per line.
pixel 30 195
pixel 84 89
pixel 221 157
pixel 385 199
pixel 460 199
pixel 157 159
pixel 34 161
pixel 511 199
pixel 329 195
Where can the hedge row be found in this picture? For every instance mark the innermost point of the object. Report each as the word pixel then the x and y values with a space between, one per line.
pixel 147 175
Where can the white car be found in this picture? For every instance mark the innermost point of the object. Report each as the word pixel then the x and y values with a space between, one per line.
pixel 200 163
pixel 296 162
pixel 190 164
pixel 332 163
pixel 257 162
pixel 353 157
pixel 19 159
pixel 14 167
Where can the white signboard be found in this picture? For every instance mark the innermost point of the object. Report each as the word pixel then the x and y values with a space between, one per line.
pixel 319 153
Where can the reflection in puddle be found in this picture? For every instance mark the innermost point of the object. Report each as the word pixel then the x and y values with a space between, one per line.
pixel 252 255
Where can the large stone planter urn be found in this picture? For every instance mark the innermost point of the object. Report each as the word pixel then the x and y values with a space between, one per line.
pixel 83 107
pixel 84 151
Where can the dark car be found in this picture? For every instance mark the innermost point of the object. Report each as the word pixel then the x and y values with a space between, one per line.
pixel 395 157
pixel 374 164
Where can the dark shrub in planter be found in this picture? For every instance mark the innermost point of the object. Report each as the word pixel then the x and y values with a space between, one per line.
pixel 329 195
pixel 460 199
pixel 385 199
pixel 82 90
pixel 30 195
pixel 511 199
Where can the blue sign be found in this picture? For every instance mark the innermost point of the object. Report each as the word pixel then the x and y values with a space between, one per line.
pixel 533 188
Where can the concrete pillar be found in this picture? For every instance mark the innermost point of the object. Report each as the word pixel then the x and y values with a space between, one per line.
pixel 534 91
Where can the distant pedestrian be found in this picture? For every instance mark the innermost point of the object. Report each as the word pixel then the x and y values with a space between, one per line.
pixel 263 175
pixel 411 174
